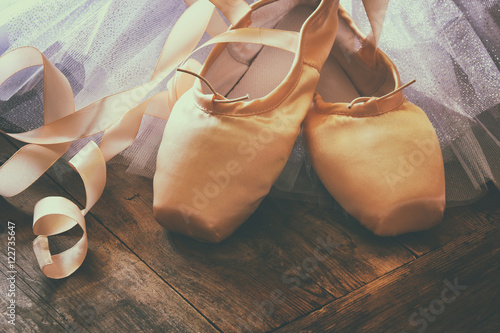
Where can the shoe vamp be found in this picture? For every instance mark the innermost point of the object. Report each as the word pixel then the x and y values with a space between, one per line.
pixel 220 167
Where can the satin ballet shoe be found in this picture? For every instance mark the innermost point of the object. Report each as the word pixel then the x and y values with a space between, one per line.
pixel 376 153
pixel 221 154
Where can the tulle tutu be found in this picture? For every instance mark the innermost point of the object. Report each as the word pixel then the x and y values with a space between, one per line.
pixel 451 47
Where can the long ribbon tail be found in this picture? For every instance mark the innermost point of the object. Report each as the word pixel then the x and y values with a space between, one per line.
pixel 118 116
pixel 54 215
pixel 63 125
pixel 375 10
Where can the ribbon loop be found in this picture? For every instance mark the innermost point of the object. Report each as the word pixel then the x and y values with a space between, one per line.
pixel 54 215
pixel 32 161
pixel 118 116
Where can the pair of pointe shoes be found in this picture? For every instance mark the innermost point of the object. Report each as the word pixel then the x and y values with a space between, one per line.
pixel 376 153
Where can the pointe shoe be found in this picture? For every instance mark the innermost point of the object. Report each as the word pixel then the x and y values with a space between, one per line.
pixel 220 155
pixel 378 156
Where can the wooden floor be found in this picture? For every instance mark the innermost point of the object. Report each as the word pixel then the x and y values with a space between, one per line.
pixel 292 267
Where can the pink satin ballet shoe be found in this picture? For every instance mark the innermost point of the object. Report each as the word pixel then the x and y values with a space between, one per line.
pixel 376 153
pixel 220 154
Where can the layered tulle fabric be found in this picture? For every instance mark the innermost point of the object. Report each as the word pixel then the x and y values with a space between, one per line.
pixel 118 116
pixel 451 47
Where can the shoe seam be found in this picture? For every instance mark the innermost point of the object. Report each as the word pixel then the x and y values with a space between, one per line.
pixel 246 63
pixel 312 64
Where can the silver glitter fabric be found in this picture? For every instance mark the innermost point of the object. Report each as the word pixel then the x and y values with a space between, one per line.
pixel 451 47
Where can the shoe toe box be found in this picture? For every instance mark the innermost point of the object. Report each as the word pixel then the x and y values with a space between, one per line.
pixel 409 216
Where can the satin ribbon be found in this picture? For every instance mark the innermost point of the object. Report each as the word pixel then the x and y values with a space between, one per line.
pixel 118 116
pixel 375 11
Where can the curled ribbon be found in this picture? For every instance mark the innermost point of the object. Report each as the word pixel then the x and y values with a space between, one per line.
pixel 118 116
pixel 55 215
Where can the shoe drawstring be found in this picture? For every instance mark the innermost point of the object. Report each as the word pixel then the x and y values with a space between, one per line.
pixel 366 99
pixel 218 98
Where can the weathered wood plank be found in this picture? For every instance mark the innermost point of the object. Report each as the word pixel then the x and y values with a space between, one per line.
pixel 30 314
pixel 458 221
pixel 393 303
pixel 273 252
pixel 112 291
pixel 264 276
pixel 361 257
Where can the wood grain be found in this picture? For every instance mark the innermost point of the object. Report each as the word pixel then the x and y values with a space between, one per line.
pixel 31 312
pixel 266 277
pixel 458 221
pixel 112 291
pixel 388 304
pixel 265 255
